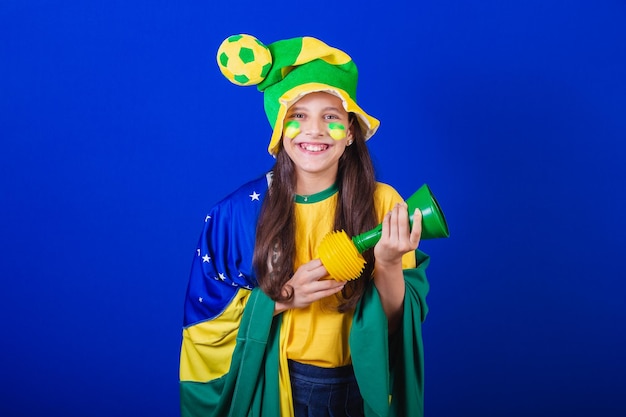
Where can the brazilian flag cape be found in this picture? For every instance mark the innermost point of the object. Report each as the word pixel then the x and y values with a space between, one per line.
pixel 389 371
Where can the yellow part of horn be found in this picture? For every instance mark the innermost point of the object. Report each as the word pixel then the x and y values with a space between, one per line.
pixel 340 257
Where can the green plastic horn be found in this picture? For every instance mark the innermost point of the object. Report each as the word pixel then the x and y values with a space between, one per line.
pixel 342 256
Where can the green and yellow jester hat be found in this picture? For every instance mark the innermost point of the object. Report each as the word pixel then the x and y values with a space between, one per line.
pixel 287 70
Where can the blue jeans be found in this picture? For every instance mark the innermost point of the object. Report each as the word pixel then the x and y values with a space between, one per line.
pixel 324 392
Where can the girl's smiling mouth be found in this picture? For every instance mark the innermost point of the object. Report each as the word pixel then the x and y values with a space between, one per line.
pixel 313 147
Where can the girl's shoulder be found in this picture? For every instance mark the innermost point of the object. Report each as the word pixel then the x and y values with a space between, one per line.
pixel 386 196
pixel 253 190
pixel 240 208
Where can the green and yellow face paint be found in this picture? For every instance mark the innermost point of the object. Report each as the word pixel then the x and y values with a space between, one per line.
pixel 292 129
pixel 337 130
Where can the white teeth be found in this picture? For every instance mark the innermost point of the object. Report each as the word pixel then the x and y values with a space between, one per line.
pixel 313 148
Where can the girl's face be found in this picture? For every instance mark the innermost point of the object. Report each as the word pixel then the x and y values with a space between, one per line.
pixel 309 144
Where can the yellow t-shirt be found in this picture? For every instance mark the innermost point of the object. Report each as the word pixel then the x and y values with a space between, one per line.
pixel 318 334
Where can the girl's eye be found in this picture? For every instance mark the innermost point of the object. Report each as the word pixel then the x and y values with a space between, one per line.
pixel 297 116
pixel 331 116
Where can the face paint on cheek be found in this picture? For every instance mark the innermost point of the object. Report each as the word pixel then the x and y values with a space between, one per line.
pixel 292 129
pixel 337 131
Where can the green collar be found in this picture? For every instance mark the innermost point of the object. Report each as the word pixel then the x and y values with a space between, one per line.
pixel 317 197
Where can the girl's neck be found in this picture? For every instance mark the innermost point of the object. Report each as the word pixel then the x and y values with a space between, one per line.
pixel 312 184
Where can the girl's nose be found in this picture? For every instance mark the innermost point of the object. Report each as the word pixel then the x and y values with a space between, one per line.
pixel 314 128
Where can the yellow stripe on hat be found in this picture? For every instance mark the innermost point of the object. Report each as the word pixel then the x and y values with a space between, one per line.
pixel 315 49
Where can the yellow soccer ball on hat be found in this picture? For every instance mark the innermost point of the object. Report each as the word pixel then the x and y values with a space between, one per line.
pixel 244 60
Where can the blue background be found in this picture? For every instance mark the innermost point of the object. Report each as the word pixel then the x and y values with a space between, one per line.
pixel 118 132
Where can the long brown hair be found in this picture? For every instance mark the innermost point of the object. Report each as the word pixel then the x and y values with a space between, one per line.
pixel 355 213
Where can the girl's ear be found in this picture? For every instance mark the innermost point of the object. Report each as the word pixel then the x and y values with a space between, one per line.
pixel 350 136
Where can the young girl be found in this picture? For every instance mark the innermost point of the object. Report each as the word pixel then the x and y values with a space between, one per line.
pixel 267 331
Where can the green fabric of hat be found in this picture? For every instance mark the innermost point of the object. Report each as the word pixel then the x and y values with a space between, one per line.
pixel 300 66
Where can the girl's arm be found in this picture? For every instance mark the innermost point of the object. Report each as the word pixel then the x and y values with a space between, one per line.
pixel 397 239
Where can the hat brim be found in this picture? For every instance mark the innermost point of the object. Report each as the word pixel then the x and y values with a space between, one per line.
pixel 369 124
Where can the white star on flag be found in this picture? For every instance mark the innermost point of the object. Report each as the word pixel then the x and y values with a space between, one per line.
pixel 222 276
pixel 206 258
pixel 254 196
